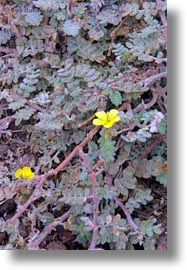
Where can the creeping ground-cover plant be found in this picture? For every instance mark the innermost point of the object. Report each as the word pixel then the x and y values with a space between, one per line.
pixel 83 124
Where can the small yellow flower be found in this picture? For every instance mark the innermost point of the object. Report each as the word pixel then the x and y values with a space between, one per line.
pixel 26 173
pixel 106 119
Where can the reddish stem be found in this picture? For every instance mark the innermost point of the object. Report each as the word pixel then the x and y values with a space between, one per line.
pixel 33 197
pixel 149 148
pixel 128 216
pixel 43 177
pixel 95 199
pixel 77 149
pixel 120 204
pixel 151 79
pixel 95 211
pixel 143 106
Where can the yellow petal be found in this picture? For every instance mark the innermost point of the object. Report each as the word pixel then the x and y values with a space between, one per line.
pixel 109 124
pixel 112 113
pixel 101 115
pixel 31 176
pixel 98 122
pixel 26 172
pixel 117 118
pixel 27 169
pixel 18 173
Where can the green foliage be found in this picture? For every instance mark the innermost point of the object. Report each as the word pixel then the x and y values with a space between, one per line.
pixel 149 229
pixel 89 51
pixel 96 33
pixel 162 178
pixel 146 44
pixel 115 97
pixel 34 18
pixel 71 28
pixel 137 198
pixel 107 148
pixel 142 196
pixel 4 36
pixel 109 15
pixel 128 180
pixel 61 62
pixel 50 5
pixel 29 83
pixel 23 114
pixel 121 52
pixel 141 135
pixel 162 127
pixel 113 231
pixel 146 168
pixel 75 196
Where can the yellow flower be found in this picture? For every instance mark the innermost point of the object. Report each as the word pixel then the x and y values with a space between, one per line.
pixel 26 173
pixel 106 119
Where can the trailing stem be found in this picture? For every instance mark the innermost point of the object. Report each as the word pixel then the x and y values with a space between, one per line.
pixel 127 214
pixel 95 199
pixel 42 178
pixel 125 210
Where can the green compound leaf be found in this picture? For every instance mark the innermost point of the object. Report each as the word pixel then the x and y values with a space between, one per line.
pixel 46 218
pixel 31 47
pixel 96 34
pixel 34 18
pixel 109 16
pixel 4 36
pixel 162 127
pixel 147 168
pixel 106 192
pixel 87 73
pixel 115 97
pixel 142 196
pixel 149 229
pixel 29 83
pixel 128 180
pixel 107 148
pixel 120 51
pixel 75 196
pixel 162 178
pixel 141 135
pixel 50 5
pixel 23 114
pixel 88 50
pixel 71 28
pixel 17 104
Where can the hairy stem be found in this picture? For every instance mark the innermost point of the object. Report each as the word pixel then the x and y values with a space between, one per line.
pixel 153 78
